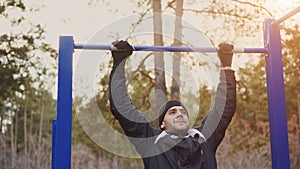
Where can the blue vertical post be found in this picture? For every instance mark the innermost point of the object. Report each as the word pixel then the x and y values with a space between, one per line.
pixel 63 142
pixel 276 97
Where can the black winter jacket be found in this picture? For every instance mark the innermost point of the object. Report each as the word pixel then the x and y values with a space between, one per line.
pixel 161 150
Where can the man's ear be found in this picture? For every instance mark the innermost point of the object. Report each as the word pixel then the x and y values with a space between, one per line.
pixel 162 126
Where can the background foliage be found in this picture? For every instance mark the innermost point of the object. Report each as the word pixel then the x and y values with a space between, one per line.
pixel 27 107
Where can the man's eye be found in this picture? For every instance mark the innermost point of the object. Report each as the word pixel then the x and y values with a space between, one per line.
pixel 183 112
pixel 171 112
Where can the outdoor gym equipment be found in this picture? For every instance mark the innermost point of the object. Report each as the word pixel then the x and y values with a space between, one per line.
pixel 62 126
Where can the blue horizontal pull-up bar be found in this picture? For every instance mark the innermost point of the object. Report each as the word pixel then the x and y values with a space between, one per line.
pixel 286 16
pixel 172 48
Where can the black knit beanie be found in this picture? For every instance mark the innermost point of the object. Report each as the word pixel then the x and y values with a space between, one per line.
pixel 165 107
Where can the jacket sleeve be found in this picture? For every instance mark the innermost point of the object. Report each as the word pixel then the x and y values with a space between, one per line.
pixel 131 120
pixel 217 120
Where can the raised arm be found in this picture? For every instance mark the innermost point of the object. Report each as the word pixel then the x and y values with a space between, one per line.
pixel 216 122
pixel 131 120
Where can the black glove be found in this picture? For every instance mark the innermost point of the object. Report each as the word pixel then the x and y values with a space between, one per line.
pixel 224 55
pixel 120 51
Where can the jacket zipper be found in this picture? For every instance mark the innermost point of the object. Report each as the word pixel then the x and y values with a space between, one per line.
pixel 191 149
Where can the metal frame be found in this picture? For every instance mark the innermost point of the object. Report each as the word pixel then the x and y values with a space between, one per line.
pixel 171 48
pixel 62 127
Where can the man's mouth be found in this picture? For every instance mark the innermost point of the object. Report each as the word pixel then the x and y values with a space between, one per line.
pixel 180 121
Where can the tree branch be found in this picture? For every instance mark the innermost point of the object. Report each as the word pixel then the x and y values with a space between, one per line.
pixel 218 13
pixel 256 6
pixel 139 66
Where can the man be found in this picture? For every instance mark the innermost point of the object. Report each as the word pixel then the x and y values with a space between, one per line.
pixel 175 145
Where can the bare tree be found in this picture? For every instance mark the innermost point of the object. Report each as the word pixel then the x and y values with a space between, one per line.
pixel 175 89
pixel 234 19
pixel 160 82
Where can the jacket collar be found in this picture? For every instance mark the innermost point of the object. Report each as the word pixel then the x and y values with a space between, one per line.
pixel 191 133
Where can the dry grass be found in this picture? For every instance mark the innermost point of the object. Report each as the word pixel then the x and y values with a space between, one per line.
pixel 229 155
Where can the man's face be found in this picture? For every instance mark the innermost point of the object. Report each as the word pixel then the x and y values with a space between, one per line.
pixel 176 121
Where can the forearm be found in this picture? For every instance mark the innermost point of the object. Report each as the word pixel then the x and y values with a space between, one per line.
pixel 119 99
pixel 131 120
pixel 219 117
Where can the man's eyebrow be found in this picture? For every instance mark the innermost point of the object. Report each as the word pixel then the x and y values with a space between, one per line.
pixel 180 108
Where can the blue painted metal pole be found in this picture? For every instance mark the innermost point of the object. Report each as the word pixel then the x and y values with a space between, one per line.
pixel 276 97
pixel 53 141
pixel 62 159
pixel 171 48
pixel 286 16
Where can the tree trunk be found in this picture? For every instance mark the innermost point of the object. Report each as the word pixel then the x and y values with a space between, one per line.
pixel 16 129
pixel 175 89
pixel 298 132
pixel 39 144
pixel 30 147
pixel 160 83
pixel 30 127
pixel 41 124
pixel 3 152
pixel 25 128
pixel 13 151
pixel 1 117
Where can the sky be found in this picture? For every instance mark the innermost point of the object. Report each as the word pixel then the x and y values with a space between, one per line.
pixel 82 18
